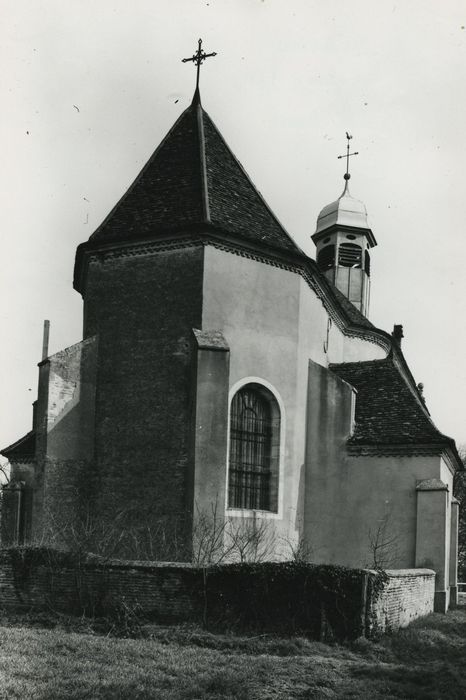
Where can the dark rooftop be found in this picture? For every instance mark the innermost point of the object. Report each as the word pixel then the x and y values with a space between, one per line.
pixel 388 409
pixel 353 314
pixel 24 448
pixel 191 179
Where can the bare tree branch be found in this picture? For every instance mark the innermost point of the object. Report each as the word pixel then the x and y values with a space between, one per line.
pixel 383 544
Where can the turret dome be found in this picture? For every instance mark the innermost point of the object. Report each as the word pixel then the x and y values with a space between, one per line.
pixel 345 211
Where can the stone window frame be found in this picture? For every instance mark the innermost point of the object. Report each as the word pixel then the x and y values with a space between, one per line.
pixel 246 512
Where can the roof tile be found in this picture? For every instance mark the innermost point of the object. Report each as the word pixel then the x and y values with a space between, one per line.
pixel 25 448
pixel 387 408
pixel 193 164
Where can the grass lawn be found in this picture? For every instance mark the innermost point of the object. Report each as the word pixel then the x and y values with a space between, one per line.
pixel 427 660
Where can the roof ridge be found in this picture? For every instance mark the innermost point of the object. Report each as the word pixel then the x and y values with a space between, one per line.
pixel 203 157
pixel 403 370
pixel 402 366
pixel 258 194
pixel 357 363
pixel 143 170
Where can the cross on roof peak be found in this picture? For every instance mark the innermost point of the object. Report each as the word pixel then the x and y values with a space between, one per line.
pixel 348 156
pixel 198 58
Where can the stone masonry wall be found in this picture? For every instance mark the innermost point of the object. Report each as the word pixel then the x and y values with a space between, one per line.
pixel 66 462
pixel 407 595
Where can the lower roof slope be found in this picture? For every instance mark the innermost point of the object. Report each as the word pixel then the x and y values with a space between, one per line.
pixel 389 411
pixel 24 448
pixel 353 314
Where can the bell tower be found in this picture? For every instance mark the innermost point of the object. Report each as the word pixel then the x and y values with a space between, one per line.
pixel 343 239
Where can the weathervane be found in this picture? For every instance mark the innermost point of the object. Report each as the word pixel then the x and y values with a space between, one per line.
pixel 348 156
pixel 198 58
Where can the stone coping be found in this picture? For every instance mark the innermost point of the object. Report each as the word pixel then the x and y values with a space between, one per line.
pixel 400 573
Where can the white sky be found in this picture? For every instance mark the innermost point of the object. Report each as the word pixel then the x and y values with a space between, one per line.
pixel 290 77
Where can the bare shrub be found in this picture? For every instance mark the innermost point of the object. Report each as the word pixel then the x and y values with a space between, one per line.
pixel 208 536
pixel 204 537
pixel 299 549
pixel 5 471
pixel 250 539
pixel 127 533
pixel 383 544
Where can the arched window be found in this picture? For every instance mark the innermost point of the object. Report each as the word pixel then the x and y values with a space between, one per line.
pixel 254 449
pixel 326 257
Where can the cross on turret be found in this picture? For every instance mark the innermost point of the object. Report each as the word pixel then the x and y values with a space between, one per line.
pixel 198 58
pixel 348 156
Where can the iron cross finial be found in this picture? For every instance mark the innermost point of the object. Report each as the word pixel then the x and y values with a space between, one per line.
pixel 348 156
pixel 198 58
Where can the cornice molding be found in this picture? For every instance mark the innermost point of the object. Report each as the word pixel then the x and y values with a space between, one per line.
pixel 345 228
pixel 405 450
pixel 176 241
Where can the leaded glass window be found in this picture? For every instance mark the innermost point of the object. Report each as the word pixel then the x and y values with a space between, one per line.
pixel 254 449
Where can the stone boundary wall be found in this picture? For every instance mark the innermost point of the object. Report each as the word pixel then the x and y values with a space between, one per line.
pixel 173 592
pixel 406 595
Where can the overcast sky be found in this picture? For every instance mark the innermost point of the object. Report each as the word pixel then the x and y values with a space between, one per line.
pixel 89 88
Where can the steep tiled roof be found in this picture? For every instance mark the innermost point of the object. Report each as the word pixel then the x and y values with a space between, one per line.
pixel 24 448
pixel 388 409
pixel 235 204
pixel 192 179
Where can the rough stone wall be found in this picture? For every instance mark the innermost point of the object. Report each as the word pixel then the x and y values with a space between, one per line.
pixel 143 308
pixel 65 438
pixel 407 595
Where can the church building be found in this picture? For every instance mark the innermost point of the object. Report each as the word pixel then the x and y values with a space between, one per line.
pixel 225 375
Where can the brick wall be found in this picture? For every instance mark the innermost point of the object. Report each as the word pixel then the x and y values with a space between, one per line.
pixel 43 579
pixel 167 592
pixel 9 509
pixel 143 308
pixel 407 595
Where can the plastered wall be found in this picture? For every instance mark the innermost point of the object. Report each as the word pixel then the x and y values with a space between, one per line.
pixel 358 501
pixel 274 323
